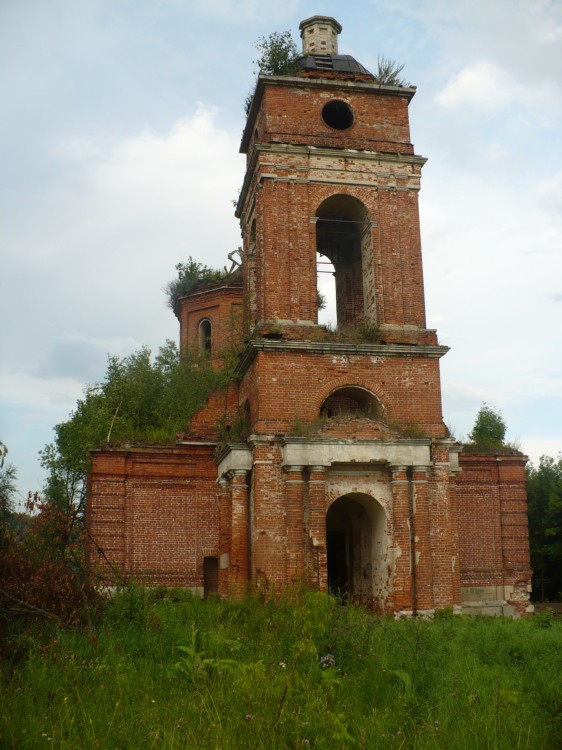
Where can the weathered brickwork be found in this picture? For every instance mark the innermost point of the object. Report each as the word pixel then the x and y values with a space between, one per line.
pixel 221 308
pixel 494 545
pixel 326 461
pixel 153 513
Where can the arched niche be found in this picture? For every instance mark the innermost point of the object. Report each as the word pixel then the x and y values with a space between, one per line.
pixel 343 236
pixel 351 400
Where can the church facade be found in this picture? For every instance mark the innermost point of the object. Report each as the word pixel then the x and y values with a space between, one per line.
pixel 333 467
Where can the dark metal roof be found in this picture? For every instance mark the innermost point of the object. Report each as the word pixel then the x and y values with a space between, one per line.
pixel 333 63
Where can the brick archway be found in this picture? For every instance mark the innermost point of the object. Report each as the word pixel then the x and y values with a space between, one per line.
pixel 356 545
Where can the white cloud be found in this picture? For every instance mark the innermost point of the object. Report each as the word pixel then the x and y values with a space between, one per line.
pixel 244 11
pixel 535 447
pixel 106 240
pixel 487 87
pixel 483 85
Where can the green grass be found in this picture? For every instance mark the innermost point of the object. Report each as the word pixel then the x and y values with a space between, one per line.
pixel 163 669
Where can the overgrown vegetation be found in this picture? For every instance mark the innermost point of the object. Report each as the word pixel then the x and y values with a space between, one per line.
pixel 388 72
pixel 193 275
pixel 353 333
pixel 278 56
pixel 488 433
pixel 8 477
pixel 544 492
pixel 140 400
pixel 161 668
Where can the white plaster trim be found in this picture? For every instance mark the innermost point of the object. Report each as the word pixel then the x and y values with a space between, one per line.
pixel 367 452
pixel 237 459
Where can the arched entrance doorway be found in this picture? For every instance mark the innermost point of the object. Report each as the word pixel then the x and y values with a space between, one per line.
pixel 356 546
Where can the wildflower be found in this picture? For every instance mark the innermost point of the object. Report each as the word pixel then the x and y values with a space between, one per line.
pixel 283 665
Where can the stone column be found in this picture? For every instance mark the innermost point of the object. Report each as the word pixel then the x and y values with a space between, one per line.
pixel 316 525
pixel 239 534
pixel 422 564
pixel 402 540
pixel 294 517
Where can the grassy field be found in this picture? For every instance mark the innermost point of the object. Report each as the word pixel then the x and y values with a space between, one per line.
pixel 162 669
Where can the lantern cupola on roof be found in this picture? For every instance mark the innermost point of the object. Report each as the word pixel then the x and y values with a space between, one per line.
pixel 319 36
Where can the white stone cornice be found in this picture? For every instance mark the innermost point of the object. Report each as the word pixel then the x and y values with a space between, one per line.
pixel 235 460
pixel 365 452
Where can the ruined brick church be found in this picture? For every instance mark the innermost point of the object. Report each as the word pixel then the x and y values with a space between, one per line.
pixel 344 476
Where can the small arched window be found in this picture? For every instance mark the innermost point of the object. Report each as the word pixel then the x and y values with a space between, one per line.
pixel 205 336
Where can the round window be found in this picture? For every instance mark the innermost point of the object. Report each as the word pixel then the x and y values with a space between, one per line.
pixel 337 114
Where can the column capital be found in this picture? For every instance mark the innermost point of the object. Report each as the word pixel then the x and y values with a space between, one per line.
pixel 420 470
pixel 396 471
pixel 237 478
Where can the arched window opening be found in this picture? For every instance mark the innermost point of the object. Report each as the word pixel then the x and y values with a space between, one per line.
pixel 326 277
pixel 351 401
pixel 205 336
pixel 343 237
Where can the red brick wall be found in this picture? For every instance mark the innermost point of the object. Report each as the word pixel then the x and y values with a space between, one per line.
pixel 492 512
pixel 292 113
pixel 285 388
pixel 153 513
pixel 222 306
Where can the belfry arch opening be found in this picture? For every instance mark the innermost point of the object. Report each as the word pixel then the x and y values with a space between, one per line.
pixel 343 239
pixel 352 401
pixel 356 546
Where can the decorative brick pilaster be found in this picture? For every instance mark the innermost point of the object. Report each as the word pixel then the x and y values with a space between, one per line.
pixel 294 516
pixel 402 539
pixel 225 539
pixel 422 564
pixel 317 527
pixel 442 525
pixel 239 521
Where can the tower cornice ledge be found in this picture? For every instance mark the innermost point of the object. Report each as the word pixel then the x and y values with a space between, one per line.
pixel 379 157
pixel 255 346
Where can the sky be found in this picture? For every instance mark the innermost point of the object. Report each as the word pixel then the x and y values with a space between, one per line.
pixel 120 129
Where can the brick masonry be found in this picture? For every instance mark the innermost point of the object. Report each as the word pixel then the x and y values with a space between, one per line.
pixel 345 475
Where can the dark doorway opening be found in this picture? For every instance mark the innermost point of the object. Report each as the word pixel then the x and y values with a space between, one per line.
pixel 338 568
pixel 210 576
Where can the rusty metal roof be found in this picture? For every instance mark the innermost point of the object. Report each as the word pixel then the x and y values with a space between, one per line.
pixel 333 63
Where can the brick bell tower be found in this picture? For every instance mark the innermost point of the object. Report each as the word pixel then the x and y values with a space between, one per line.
pixel 346 478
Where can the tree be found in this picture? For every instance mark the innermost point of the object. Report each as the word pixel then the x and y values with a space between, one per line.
pixel 278 56
pixel 193 275
pixel 544 493
pixel 388 72
pixel 8 476
pixel 489 429
pixel 140 400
